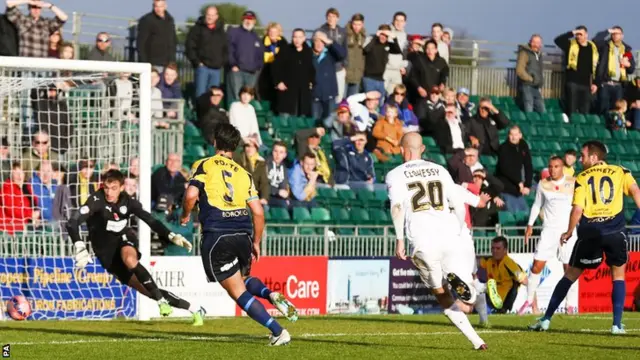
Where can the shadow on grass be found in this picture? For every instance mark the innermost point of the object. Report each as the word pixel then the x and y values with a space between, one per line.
pixel 597 346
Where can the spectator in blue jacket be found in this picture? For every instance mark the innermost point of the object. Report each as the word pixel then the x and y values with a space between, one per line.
pixel 326 54
pixel 246 56
pixel 170 89
pixel 354 164
pixel 338 35
pixel 616 63
pixel 43 189
pixel 303 180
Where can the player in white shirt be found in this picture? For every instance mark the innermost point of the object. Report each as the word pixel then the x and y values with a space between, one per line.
pixel 422 196
pixel 554 196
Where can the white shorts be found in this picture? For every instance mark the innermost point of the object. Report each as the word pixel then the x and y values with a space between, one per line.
pixel 454 255
pixel 549 246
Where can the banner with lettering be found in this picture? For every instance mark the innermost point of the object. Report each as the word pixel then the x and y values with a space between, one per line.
pixel 57 290
pixel 595 287
pixel 407 293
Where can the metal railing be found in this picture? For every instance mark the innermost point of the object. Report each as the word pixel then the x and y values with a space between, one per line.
pixel 485 67
pixel 297 240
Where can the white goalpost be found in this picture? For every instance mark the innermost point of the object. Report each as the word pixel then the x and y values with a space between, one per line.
pixel 64 123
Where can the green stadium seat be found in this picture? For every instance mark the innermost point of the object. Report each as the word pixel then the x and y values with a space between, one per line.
pixel 620 135
pixel 552 104
pixel 281 122
pixel 340 215
pixel 256 105
pixel 630 165
pixel 563 132
pixel 578 119
pixel 359 216
pixel 547 118
pixel 301 215
pixel 592 119
pixel 381 196
pixel 429 142
pixel 634 135
pixel 488 160
pixel 328 196
pixel 347 196
pixel 533 117
pixel 280 215
pixel 538 163
pixel 521 218
pixel 506 218
pixel 554 147
pixel 591 132
pixel 578 132
pixel 439 159
pixel 365 196
pixel 379 217
pixel 604 134
pixel 194 151
pixel 558 118
pixel 517 116
pixel 320 215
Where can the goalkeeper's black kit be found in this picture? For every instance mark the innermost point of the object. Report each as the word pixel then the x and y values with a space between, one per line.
pixel 109 229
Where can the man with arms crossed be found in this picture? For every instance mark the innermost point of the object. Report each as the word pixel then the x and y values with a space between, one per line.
pixel 554 197
pixel 422 195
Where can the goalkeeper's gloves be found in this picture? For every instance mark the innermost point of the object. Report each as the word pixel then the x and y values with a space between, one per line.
pixel 81 254
pixel 180 241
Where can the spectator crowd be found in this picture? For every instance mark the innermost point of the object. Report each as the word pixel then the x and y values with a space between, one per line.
pixel 363 92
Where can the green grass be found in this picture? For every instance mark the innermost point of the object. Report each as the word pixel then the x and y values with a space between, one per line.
pixel 330 337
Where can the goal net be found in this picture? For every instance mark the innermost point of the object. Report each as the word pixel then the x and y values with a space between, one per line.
pixel 64 123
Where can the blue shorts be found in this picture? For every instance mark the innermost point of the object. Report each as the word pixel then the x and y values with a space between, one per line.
pixel 587 253
pixel 226 252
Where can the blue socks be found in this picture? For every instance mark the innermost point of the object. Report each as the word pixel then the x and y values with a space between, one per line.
pixel 559 293
pixel 257 312
pixel 617 300
pixel 257 288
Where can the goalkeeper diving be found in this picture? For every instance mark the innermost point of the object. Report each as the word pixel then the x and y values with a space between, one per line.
pixel 107 212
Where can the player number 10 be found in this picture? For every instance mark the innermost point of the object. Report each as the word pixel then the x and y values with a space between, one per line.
pixel 431 190
pixel 604 180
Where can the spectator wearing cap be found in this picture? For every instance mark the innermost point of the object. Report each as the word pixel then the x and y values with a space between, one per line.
pixel 326 54
pixel 207 49
pixel 488 184
pixel 16 209
pixel 246 56
pixel 278 176
pixel 101 52
pixel 432 113
pixel 33 29
pixel 8 37
pixel 416 44
pixel 338 35
pixel 615 66
pixel 249 158
pixel 5 162
pixel 376 57
pixel 405 111
pixel 341 124
pixel 388 132
pixel 582 60
pixel 354 164
pixel 40 151
pixel 157 39
pixel 304 178
pixel 293 74
pixel 397 64
pixel 484 127
pixel 82 183
pixel 514 155
pixel 308 141
pixel 436 35
pixel 450 133
pixel 168 180
pixel 210 111
pixel 356 39
pixel 274 43
pixel 243 116
pixel 530 72
pixel 466 108
pixel 428 70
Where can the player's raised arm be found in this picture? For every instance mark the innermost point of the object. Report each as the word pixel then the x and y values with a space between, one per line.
pixel 157 226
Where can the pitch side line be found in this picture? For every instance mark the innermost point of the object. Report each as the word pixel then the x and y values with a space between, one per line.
pixel 304 335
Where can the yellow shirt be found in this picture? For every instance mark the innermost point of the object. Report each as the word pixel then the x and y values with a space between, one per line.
pixel 600 192
pixel 505 273
pixel 569 171
pixel 84 189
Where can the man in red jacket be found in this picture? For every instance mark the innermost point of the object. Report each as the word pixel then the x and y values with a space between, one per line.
pixel 15 204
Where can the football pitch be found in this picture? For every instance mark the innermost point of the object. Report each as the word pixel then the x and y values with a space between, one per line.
pixel 328 337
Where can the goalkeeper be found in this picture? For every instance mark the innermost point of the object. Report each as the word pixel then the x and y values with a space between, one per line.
pixel 107 213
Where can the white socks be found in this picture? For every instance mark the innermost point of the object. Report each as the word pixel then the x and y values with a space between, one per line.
pixel 481 301
pixel 460 320
pixel 532 285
